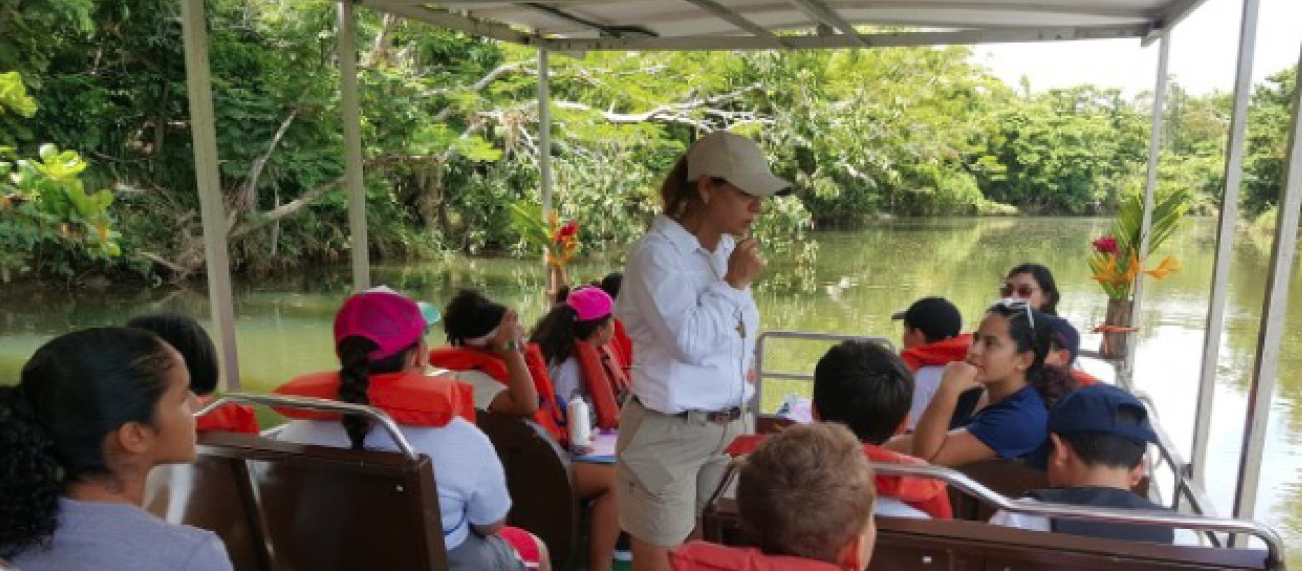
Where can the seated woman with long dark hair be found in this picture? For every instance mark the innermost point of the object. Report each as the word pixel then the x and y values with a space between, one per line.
pixel 95 411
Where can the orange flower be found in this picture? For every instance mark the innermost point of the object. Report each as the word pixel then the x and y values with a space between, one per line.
pixel 1168 266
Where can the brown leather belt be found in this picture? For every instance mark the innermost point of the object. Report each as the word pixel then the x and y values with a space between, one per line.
pixel 723 416
pixel 717 416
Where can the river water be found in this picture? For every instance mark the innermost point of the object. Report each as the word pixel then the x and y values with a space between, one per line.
pixel 857 279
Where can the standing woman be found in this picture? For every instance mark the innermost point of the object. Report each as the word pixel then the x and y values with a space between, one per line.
pixel 687 304
pixel 1034 284
pixel 95 411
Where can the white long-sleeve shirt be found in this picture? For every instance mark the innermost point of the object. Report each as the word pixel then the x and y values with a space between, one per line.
pixel 694 333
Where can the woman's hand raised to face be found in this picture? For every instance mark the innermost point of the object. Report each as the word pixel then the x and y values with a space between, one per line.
pixel 960 375
pixel 510 335
pixel 745 264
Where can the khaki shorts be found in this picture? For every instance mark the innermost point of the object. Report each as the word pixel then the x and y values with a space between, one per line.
pixel 667 468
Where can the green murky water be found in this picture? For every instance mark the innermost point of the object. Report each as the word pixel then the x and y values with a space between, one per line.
pixel 858 279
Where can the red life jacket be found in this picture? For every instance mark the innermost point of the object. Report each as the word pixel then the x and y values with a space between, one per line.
pixel 1082 378
pixel 925 494
pixel 623 345
pixel 474 359
pixel 703 556
pixel 412 399
pixel 230 417
pixel 604 380
pixel 937 354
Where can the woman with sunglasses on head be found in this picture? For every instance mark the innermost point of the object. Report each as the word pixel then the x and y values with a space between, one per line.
pixel 687 305
pixel 95 412
pixel 1033 283
pixel 1006 360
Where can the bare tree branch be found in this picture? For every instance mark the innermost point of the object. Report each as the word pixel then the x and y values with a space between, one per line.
pixel 380 48
pixel 247 196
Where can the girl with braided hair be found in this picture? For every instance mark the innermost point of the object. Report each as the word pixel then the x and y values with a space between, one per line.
pixel 380 342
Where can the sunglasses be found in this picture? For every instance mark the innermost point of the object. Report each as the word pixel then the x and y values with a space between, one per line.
pixel 1021 305
pixel 1022 290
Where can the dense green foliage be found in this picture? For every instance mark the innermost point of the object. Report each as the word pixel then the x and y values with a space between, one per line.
pixel 49 223
pixel 450 129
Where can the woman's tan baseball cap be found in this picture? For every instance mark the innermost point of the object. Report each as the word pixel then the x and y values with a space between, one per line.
pixel 736 159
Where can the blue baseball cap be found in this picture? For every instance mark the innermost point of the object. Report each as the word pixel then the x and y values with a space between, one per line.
pixel 1064 335
pixel 1096 408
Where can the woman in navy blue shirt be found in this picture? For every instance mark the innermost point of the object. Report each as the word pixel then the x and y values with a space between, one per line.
pixel 1006 360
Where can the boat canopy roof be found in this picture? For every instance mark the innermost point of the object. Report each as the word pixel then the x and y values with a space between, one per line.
pixel 583 25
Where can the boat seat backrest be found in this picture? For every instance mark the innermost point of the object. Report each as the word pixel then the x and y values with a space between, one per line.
pixel 317 508
pixel 771 423
pixel 936 545
pixel 1010 478
pixel 544 500
pixel 213 493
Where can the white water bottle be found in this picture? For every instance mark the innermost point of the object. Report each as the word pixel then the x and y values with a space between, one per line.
pixel 579 418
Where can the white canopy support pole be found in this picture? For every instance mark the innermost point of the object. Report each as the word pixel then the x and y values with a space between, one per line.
pixel 353 146
pixel 1272 318
pixel 1154 156
pixel 1229 216
pixel 212 207
pixel 544 132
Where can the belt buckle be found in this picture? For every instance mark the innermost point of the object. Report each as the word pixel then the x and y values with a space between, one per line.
pixel 723 416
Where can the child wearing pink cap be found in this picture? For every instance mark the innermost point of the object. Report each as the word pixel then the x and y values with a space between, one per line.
pixel 574 338
pixel 380 341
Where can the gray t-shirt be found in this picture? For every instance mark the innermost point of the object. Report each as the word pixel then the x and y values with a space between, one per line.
pixel 94 536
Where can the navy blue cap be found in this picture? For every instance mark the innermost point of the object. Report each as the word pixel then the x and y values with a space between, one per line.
pixel 1064 335
pixel 935 317
pixel 1095 408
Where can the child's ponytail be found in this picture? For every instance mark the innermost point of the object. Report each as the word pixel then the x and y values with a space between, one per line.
pixel 555 333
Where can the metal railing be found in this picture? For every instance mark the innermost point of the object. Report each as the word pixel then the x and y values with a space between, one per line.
pixel 760 354
pixel 380 417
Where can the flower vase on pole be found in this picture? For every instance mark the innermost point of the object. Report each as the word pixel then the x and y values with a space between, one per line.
pixel 1115 343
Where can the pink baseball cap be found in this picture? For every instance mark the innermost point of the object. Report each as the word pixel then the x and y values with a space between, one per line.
pixel 385 317
pixel 590 303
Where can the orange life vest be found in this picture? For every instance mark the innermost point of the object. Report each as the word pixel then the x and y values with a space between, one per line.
pixel 937 354
pixel 623 345
pixel 925 494
pixel 1082 378
pixel 412 399
pixel 703 556
pixel 230 417
pixel 604 380
pixel 549 414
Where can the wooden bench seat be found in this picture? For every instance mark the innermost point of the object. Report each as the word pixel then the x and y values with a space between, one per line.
pixel 933 545
pixel 544 500
pixel 289 507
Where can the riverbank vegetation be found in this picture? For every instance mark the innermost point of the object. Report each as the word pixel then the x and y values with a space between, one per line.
pixel 450 137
